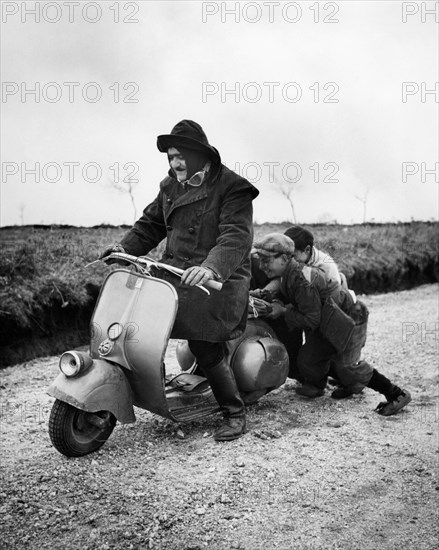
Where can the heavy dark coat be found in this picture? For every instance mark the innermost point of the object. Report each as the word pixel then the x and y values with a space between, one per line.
pixel 212 226
pixel 304 304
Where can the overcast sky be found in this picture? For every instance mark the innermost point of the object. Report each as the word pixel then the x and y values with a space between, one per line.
pixel 337 116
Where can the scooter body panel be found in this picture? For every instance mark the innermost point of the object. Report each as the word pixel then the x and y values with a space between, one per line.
pixel 255 327
pixel 258 359
pixel 102 387
pixel 131 326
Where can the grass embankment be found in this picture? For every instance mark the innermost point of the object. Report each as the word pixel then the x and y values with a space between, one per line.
pixel 47 296
pixel 378 257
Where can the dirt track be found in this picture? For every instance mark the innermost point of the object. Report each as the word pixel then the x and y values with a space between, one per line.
pixel 317 475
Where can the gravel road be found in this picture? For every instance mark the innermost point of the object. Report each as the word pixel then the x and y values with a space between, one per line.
pixel 309 475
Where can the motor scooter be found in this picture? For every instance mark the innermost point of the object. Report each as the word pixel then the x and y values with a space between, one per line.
pixel 124 367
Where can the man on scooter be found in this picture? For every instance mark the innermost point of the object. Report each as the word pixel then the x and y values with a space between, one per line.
pixel 204 210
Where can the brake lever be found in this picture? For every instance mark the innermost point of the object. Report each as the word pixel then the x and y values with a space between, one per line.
pixel 91 263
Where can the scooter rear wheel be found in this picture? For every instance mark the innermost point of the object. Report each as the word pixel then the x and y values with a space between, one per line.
pixel 74 432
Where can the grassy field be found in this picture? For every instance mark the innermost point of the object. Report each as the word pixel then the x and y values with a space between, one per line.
pixel 47 295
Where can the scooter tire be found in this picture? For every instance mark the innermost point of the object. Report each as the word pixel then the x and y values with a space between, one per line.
pixel 73 432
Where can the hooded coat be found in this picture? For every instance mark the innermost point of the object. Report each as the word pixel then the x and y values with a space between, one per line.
pixel 211 226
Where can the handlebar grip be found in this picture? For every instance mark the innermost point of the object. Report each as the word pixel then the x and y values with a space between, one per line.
pixel 215 285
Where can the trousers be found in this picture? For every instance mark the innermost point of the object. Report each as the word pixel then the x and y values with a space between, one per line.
pixel 208 354
pixel 318 357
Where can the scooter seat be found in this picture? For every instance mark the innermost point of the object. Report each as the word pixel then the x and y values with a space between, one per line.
pixel 187 383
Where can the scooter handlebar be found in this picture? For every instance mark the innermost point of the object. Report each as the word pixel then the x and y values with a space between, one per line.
pixel 215 285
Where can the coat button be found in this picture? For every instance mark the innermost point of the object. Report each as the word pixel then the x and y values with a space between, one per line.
pixel 169 228
pixel 169 200
pixel 191 230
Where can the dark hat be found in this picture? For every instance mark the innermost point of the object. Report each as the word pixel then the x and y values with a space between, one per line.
pixel 274 243
pixel 301 236
pixel 189 134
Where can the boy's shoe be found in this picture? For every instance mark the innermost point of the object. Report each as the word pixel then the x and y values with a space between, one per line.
pixel 341 392
pixel 387 408
pixel 309 391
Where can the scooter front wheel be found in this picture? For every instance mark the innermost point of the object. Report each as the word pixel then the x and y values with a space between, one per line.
pixel 74 432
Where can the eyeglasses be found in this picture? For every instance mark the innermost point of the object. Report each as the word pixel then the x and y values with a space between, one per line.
pixel 265 260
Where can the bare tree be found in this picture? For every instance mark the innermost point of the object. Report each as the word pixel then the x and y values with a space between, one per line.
pixel 126 186
pixel 363 200
pixel 21 210
pixel 288 190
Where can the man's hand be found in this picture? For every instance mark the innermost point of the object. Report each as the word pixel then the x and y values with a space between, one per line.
pixel 110 250
pixel 197 275
pixel 278 310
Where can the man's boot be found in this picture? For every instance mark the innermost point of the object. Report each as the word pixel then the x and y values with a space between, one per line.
pixel 224 388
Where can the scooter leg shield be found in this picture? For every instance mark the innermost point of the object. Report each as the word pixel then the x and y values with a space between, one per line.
pixel 103 387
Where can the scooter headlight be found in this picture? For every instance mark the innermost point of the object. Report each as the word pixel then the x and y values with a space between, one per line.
pixel 71 363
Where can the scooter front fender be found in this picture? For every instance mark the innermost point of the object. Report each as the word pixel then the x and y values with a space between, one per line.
pixel 102 387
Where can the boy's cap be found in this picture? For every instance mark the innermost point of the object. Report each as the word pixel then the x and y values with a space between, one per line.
pixel 301 236
pixel 274 243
